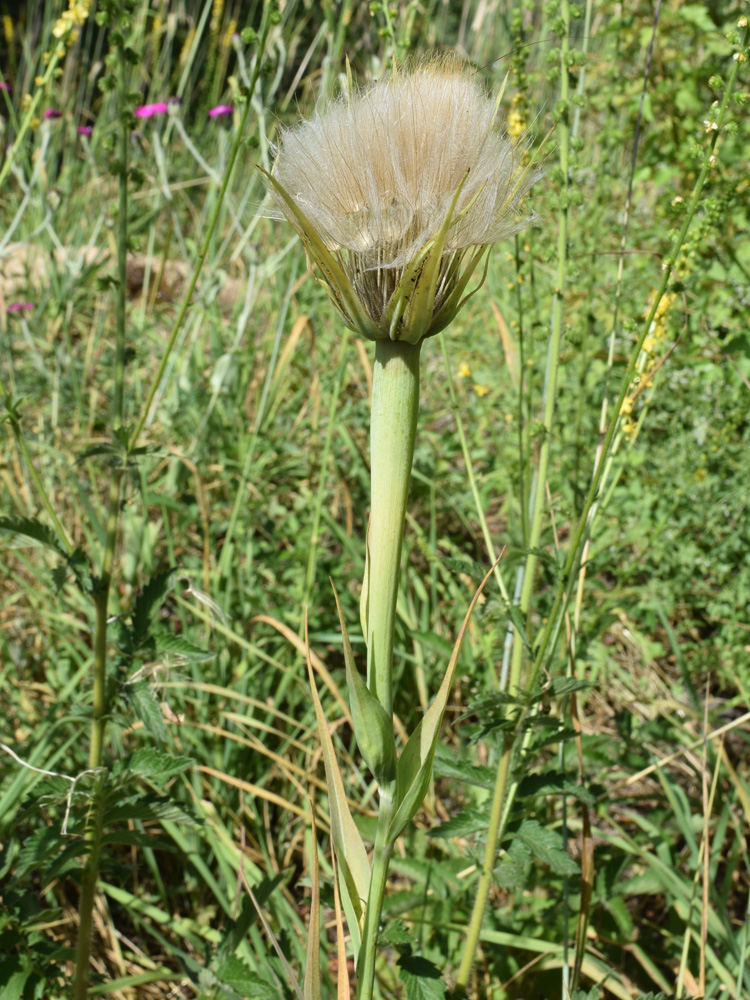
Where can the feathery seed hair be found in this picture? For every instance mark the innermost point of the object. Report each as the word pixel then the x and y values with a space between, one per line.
pixel 383 171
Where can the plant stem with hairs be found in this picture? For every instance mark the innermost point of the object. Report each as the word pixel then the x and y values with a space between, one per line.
pixel 103 584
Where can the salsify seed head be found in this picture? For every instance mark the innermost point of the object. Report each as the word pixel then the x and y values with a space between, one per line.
pixel 398 190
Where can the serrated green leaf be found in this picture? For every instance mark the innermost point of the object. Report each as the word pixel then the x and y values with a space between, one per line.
pixel 560 686
pixel 78 563
pixel 30 531
pixel 138 838
pixel 554 783
pixel 490 706
pixel 515 865
pixel 234 973
pixel 147 710
pixel 37 848
pixel 14 973
pixel 518 621
pixel 546 845
pixel 421 978
pixel 146 807
pixel 98 449
pixel 167 642
pixel 395 933
pixel 156 766
pixel 148 601
pixel 447 765
pixel 547 734
pixel 373 728
pixel 464 824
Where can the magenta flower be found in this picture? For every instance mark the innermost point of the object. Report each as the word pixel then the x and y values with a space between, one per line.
pixel 149 110
pixel 84 130
pixel 219 110
pixel 18 306
pixel 4 86
pixel 52 113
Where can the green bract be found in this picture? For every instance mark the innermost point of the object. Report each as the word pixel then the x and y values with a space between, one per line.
pixel 397 192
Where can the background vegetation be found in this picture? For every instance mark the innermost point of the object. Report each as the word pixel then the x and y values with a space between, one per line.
pixel 252 491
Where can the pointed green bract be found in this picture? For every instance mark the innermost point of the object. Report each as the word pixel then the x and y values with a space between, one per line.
pixel 336 282
pixel 414 768
pixel 373 727
pixel 456 300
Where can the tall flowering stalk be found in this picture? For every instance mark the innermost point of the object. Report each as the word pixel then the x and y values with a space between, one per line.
pixel 397 193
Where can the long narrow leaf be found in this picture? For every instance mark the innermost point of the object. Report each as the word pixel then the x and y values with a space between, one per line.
pixel 373 727
pixel 343 986
pixel 415 764
pixel 347 841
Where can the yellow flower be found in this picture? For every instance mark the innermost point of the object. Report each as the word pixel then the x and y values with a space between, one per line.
pixel 463 370
pixel 627 406
pixel 73 17
pixel 397 191
pixel 481 390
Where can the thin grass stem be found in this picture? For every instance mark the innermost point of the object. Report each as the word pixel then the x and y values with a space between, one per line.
pixel 486 534
pixel 146 408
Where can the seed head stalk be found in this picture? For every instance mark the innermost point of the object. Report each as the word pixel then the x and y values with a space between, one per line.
pixel 393 431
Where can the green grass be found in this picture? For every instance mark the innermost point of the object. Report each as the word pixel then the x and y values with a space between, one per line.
pixel 254 490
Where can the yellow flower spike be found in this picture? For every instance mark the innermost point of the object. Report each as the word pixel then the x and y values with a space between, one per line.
pixel 627 406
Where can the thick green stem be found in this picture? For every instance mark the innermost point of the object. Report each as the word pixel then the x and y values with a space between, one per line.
pixel 88 895
pixel 393 429
pixel 381 858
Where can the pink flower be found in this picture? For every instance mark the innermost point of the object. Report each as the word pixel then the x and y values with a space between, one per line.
pixel 52 113
pixel 18 306
pixel 84 130
pixel 219 110
pixel 149 110
pixel 4 86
